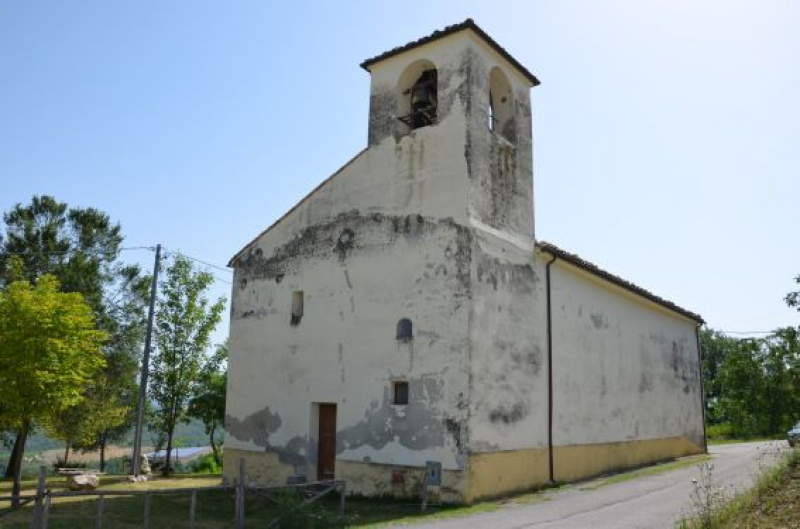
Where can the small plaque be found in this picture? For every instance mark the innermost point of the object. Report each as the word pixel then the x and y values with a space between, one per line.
pixel 399 476
pixel 434 473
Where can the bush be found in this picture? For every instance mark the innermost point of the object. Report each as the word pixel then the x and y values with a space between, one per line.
pixel 59 463
pixel 720 431
pixel 205 464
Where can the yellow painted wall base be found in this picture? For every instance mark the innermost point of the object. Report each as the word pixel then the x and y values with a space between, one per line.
pixel 490 474
pixel 260 468
pixel 371 479
pixel 496 473
pixel 582 461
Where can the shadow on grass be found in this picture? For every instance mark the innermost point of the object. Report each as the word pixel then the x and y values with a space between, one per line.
pixel 215 509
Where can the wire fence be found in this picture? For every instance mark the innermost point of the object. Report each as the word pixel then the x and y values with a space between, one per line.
pixel 227 505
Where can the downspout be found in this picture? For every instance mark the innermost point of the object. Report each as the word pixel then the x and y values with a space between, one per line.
pixel 702 387
pixel 550 373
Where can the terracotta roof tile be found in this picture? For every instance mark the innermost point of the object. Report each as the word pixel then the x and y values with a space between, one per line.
pixel 449 30
pixel 581 263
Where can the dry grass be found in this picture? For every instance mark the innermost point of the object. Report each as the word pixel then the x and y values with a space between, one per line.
pixel 775 502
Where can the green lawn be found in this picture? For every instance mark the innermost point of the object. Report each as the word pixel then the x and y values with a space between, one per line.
pixel 215 509
pixel 750 440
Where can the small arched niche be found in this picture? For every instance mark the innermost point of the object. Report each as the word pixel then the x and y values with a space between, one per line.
pixel 418 96
pixel 501 105
pixel 405 330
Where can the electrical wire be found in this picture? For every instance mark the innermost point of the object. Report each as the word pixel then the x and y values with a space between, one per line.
pixel 746 332
pixel 68 252
pixel 218 267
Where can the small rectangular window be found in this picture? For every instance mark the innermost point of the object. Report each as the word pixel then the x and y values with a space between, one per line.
pixel 297 307
pixel 401 392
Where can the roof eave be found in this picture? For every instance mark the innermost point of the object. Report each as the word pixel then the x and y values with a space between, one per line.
pixel 595 270
pixel 468 24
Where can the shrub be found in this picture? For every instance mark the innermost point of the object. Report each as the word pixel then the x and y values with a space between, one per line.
pixel 720 431
pixel 59 463
pixel 205 464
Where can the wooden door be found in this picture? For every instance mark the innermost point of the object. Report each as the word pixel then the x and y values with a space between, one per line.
pixel 326 456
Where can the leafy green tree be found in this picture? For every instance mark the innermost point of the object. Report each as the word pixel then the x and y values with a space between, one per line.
pixel 781 367
pixel 208 402
pixel 114 393
pixel 185 320
pixel 714 347
pixel 50 349
pixel 742 400
pixel 105 415
pixel 81 247
pixel 793 298
pixel 112 412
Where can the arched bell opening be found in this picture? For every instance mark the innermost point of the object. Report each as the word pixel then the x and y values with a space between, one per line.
pixel 418 96
pixel 501 105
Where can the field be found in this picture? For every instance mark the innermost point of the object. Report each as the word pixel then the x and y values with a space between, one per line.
pixel 215 509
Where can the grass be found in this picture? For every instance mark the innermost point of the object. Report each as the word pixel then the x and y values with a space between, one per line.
pixel 774 501
pixel 215 508
pixel 724 441
pixel 647 471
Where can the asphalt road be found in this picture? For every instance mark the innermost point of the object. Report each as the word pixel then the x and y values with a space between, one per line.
pixel 656 501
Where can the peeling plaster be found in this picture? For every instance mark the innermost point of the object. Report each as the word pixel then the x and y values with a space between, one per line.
pixel 419 425
pixel 256 427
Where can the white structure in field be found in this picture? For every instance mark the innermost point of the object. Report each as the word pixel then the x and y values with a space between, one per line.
pixel 403 312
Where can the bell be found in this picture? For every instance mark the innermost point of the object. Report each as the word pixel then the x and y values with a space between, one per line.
pixel 421 96
pixel 423 93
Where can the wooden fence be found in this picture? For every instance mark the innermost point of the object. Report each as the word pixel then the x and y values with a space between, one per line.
pixel 43 499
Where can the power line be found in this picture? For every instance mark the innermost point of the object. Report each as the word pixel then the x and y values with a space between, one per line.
pixel 132 248
pixel 68 252
pixel 746 332
pixel 222 280
pixel 218 267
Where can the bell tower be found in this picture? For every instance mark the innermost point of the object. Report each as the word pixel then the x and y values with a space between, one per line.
pixel 466 101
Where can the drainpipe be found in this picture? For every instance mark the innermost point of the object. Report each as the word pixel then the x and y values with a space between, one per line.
pixel 702 388
pixel 550 373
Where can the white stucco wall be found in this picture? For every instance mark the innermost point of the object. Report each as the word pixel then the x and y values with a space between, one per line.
pixel 623 368
pixel 509 349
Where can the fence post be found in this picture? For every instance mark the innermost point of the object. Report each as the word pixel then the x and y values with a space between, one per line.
pixel 146 523
pixel 240 496
pixel 342 493
pixel 40 489
pixel 98 522
pixel 425 492
pixel 46 515
pixel 192 508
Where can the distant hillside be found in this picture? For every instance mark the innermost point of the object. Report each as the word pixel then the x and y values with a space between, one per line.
pixel 191 434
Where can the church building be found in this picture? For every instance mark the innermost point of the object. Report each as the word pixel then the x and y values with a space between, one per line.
pixel 404 313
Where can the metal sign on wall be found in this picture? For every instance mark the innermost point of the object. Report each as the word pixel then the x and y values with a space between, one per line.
pixel 434 472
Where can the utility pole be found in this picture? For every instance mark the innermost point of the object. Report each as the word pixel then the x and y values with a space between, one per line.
pixel 137 439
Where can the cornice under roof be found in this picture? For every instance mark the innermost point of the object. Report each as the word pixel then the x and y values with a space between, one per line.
pixel 449 30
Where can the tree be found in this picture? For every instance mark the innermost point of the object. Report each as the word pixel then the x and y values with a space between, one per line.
pixel 742 401
pixel 109 417
pixel 81 246
pixel 793 298
pixel 103 416
pixel 109 409
pixel 49 350
pixel 185 320
pixel 208 402
pixel 714 347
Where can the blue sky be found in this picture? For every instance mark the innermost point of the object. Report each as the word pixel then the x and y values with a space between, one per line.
pixel 667 133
